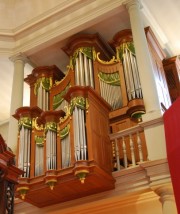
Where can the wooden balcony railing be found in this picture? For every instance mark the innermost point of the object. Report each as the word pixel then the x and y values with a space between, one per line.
pixel 129 147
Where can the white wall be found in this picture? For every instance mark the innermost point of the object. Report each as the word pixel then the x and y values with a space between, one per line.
pixel 4 130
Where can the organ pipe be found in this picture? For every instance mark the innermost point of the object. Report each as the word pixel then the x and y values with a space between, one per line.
pixel 24 146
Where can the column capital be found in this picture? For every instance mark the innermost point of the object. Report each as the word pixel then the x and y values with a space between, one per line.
pixel 19 56
pixel 165 192
pixel 129 3
pixel 22 57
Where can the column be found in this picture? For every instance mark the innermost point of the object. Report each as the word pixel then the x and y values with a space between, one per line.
pixel 147 78
pixel 167 199
pixel 16 98
pixel 155 145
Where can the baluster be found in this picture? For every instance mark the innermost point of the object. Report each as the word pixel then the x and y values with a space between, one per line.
pixel 132 150
pixel 117 155
pixel 114 156
pixel 139 143
pixel 124 153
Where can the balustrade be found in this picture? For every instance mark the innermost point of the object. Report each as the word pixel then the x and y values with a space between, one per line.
pixel 129 147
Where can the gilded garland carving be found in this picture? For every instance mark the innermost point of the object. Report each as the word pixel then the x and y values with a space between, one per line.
pixel 36 126
pixel 46 83
pixel 26 122
pixel 67 111
pixel 121 49
pixel 52 126
pixel 64 132
pixel 112 61
pixel 79 102
pixel 39 141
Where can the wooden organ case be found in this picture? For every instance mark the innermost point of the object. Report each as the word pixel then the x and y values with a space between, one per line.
pixel 63 146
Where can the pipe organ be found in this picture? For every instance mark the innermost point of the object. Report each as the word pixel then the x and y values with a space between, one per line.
pixel 64 134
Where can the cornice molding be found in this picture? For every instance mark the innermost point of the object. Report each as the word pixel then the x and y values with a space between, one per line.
pixel 63 6
pixel 59 23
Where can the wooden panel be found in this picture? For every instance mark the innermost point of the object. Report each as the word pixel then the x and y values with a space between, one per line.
pixel 68 187
pixel 172 71
pixel 123 124
pixel 157 56
pixel 61 85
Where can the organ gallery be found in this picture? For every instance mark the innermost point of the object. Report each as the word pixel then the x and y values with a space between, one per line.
pixel 64 146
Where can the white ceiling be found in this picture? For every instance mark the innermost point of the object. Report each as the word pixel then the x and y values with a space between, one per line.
pixel 162 15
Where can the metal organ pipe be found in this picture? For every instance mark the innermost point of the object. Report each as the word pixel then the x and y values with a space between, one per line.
pixel 55 149
pixel 126 77
pixel 131 73
pixel 40 95
pixel 44 99
pixel 138 79
pixel 112 94
pixel 134 73
pixel 24 151
pixel 77 72
pixel 79 134
pixel 84 71
pixel 91 73
pixel 28 152
pixel 76 134
pixel 65 146
pixel 81 68
pixel 48 149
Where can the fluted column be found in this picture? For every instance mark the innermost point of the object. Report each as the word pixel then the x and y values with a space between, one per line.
pixel 167 199
pixel 150 94
pixel 16 97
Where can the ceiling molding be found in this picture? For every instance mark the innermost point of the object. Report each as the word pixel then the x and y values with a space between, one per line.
pixel 57 24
